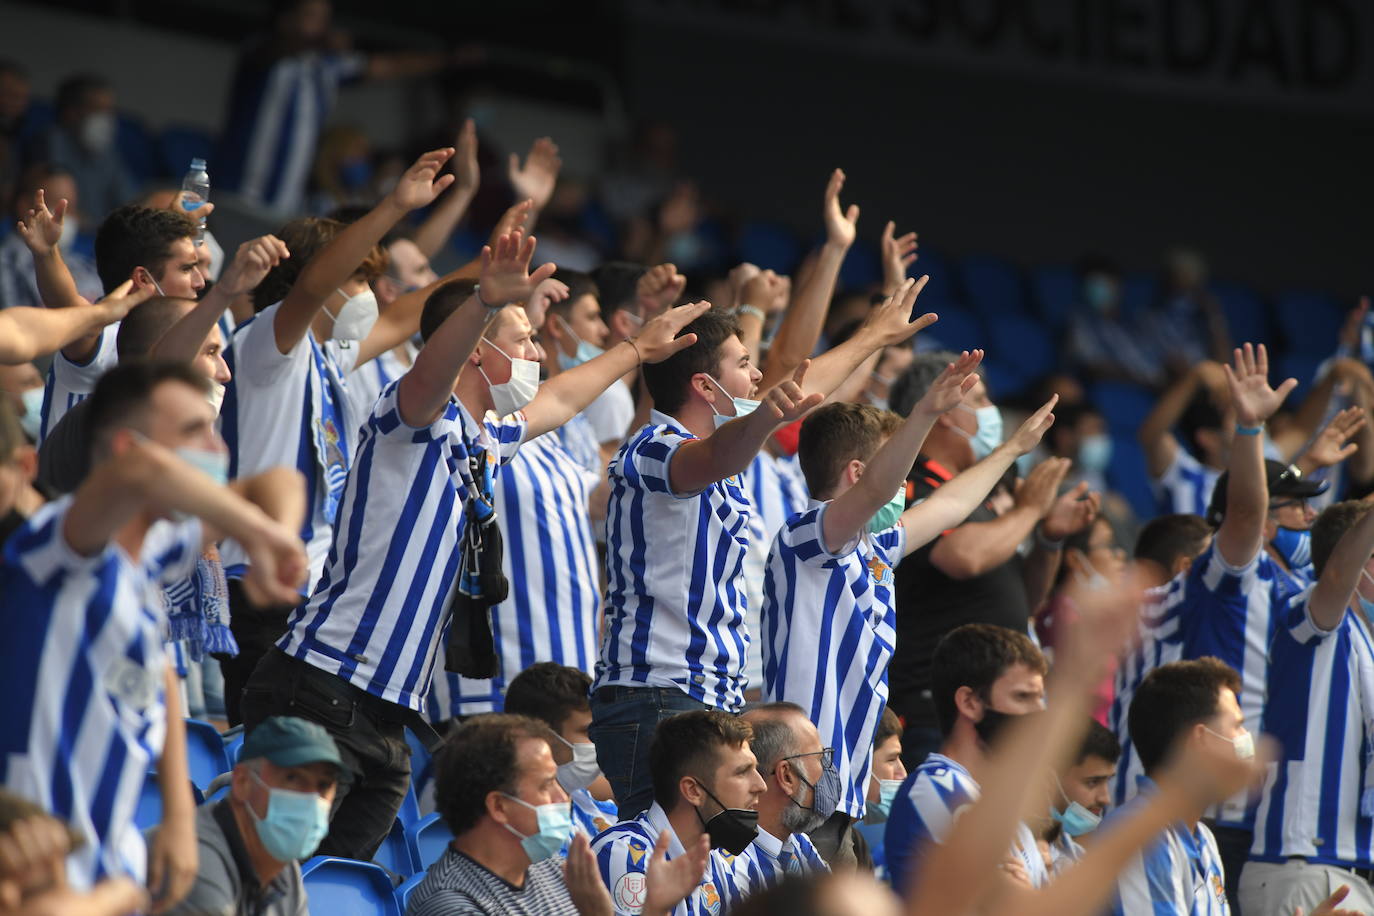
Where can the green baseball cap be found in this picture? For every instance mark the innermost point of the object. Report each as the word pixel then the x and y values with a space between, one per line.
pixel 291 742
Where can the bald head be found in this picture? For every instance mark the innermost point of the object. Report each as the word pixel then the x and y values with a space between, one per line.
pixel 144 326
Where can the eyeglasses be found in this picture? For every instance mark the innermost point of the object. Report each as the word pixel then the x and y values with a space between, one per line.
pixel 827 756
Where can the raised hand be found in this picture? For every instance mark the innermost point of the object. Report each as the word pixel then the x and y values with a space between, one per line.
pixel 278 566
pixel 1104 622
pixel 898 254
pixel 667 883
pixel 1036 491
pixel 1332 444
pixel 659 338
pixel 949 389
pixel 1331 905
pixel 466 172
pixel 1350 333
pixel 788 401
pixel 840 228
pixel 515 217
pixel 1071 513
pixel 536 179
pixel 1254 400
pixel 252 262
pixel 505 273
pixel 762 291
pixel 658 288
pixel 422 182
pixel 890 323
pixel 583 880
pixel 545 292
pixel 43 227
pixel 1028 436
pixel 121 300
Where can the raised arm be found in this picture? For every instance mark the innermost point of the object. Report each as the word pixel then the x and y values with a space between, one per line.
pixel 535 180
pixel 426 388
pixel 898 255
pixel 801 326
pixel 173 855
pixel 1241 535
pixel 279 492
pixel 1156 434
pixel 336 262
pixel 29 333
pixel 41 232
pixel 434 233
pixel 953 502
pixel 1334 443
pixel 1341 575
pixel 974 548
pixel 756 299
pixel 885 326
pixel 848 513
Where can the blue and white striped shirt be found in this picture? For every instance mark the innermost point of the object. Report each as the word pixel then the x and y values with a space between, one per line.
pixel 675 600
pixel 365 382
pixel 380 614
pixel 290 410
pixel 550 560
pixel 591 817
pixel 69 383
pixel 623 853
pixel 1180 874
pixel 767 860
pixel 776 493
pixel 1185 487
pixel 85 711
pixel 828 632
pixel 1320 709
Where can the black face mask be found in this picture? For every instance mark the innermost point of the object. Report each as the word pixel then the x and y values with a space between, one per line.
pixel 10 522
pixel 733 829
pixel 993 723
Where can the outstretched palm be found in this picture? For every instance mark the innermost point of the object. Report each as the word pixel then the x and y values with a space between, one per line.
pixel 505 269
pixel 421 183
pixel 43 228
pixel 955 382
pixel 840 227
pixel 1254 400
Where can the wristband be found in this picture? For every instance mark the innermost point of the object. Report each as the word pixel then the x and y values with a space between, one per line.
pixel 1248 430
pixel 1045 543
pixel 752 310
pixel 477 291
pixel 634 346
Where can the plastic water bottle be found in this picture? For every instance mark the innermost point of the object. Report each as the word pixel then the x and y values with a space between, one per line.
pixel 195 192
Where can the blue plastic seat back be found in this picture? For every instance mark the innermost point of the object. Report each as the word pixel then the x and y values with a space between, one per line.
pixel 138 150
pixel 180 144
pixel 394 853
pixel 1310 322
pixel 1022 346
pixel 406 888
pixel 1247 315
pixel 769 246
pixel 1124 405
pixel 343 887
pixel 1054 293
pixel 206 756
pixel 957 329
pixel 992 286
pixel 148 812
pixel 428 840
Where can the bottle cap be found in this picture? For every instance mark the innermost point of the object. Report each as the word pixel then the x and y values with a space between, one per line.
pixel 197 165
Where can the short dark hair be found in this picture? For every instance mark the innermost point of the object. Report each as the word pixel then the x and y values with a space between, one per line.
pixel 478 758
pixel 145 325
pixel 1332 525
pixel 913 384
pixel 1100 741
pixel 134 236
pixel 1172 699
pixel 579 285
pixel 688 744
pixel 617 281
pixel 549 692
pixel 305 238
pixel 836 434
pixel 443 302
pixel 889 725
pixel 668 382
pixel 1168 537
pixel 72 91
pixel 124 392
pixel 975 655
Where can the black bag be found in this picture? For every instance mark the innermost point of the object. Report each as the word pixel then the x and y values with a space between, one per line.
pixel 471 651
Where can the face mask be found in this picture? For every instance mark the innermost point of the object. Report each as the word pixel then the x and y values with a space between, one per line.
pixel 882 808
pixel 582 770
pixel 888 515
pixel 216 396
pixel 733 829
pixel 1243 743
pixel 992 723
pixel 1092 580
pixel 356 317
pixel 156 285
pixel 213 464
pixel 68 237
pixel 1294 545
pixel 743 406
pixel 1095 452
pixel 825 794
pixel 98 131
pixel 510 396
pixel 585 351
pixel 1099 291
pixel 33 412
pixel 989 434
pixel 1076 819
pixel 295 824
pixel 555 829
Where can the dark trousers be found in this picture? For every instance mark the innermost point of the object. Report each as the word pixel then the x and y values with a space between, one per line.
pixel 369 732
pixel 256 629
pixel 623 724
pixel 1234 846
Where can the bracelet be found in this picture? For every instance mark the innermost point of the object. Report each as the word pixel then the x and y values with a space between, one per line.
pixel 1248 430
pixel 477 291
pixel 1045 543
pixel 752 310
pixel 635 347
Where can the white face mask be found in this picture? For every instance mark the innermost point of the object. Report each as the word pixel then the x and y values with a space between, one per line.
pixel 355 318
pixel 216 396
pixel 1244 743
pixel 582 770
pixel 509 397
pixel 98 131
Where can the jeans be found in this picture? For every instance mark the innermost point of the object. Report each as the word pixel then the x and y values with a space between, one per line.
pixel 623 723
pixel 369 732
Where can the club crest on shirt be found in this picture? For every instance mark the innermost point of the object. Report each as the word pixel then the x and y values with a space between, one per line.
pixel 603 824
pixel 1218 888
pixel 637 850
pixel 333 454
pixel 630 892
pixel 880 571
pixel 132 683
pixel 710 897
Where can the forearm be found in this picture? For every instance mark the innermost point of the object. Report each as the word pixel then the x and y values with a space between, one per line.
pixel 751 335
pixel 279 492
pixel 727 452
pixel 29 333
pixel 1341 574
pixel 173 774
pixel 183 340
pixel 56 287
pixel 977 547
pixel 1038 573
pixel 955 501
pixel 434 233
pixel 829 370
pixel 1241 534
pixel 801 326
pixel 563 397
pixel 850 512
pixel 1159 424
pixel 425 389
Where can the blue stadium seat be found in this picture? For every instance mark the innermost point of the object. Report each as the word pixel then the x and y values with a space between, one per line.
pixel 1300 366
pixel 421 773
pixel 394 853
pixel 406 888
pixel 1054 293
pixel 428 839
pixel 137 150
pixel 343 887
pixel 178 145
pixel 233 744
pixel 410 806
pixel 862 267
pixel 770 246
pixel 1021 346
pixel 1124 405
pixel 206 757
pixel 1309 322
pixel 1127 475
pixel 956 330
pixel 40 116
pixel 1247 316
pixel 939 291
pixel 993 286
pixel 1138 291
pixel 148 812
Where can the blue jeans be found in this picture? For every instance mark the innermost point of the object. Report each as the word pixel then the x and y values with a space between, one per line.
pixel 623 723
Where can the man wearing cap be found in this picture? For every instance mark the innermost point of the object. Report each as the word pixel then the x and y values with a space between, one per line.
pixel 276 814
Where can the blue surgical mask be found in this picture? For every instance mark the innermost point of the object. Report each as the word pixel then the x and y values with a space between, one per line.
pixel 555 829
pixel 585 351
pixel 743 406
pixel 295 824
pixel 1077 820
pixel 1100 291
pixel 212 463
pixel 1095 452
pixel 1294 545
pixel 880 810
pixel 888 515
pixel 989 434
pixel 32 420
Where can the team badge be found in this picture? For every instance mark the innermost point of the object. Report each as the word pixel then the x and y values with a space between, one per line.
pixel 880 571
pixel 711 898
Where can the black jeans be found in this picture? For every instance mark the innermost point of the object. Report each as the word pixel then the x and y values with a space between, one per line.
pixel 256 629
pixel 369 732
